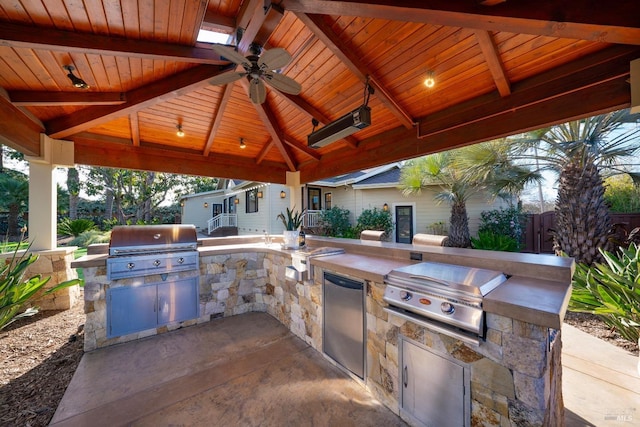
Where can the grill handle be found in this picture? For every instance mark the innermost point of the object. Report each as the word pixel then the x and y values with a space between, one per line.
pixel 405 377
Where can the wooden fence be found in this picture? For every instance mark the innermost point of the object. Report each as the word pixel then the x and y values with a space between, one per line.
pixel 537 237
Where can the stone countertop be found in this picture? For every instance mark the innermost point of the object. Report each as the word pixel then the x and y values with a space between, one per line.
pixel 537 292
pixel 538 301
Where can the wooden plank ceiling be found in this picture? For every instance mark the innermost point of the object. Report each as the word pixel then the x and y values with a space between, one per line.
pixel 500 67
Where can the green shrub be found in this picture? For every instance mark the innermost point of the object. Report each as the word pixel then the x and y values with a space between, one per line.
pixel 76 227
pixel 375 219
pixel 15 292
pixel 506 222
pixel 495 242
pixel 335 222
pixel 622 194
pixel 611 291
pixel 90 237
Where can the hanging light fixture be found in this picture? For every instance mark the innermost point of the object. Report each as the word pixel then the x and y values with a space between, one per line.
pixel 180 132
pixel 77 81
pixel 242 144
pixel 430 80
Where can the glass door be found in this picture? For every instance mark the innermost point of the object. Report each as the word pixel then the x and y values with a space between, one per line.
pixel 404 224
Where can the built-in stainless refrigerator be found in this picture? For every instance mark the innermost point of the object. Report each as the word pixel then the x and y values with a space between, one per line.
pixel 343 328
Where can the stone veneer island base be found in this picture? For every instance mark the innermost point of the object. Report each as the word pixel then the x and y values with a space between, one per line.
pixel 515 373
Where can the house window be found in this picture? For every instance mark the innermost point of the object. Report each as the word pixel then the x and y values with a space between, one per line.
pixel 314 199
pixel 327 201
pixel 252 200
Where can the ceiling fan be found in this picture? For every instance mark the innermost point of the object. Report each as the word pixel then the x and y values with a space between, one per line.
pixel 258 69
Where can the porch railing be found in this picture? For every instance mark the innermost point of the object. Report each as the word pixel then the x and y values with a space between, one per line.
pixel 312 218
pixel 222 220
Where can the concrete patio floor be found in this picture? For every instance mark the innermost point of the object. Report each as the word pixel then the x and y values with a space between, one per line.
pixel 249 370
pixel 245 370
pixel 600 382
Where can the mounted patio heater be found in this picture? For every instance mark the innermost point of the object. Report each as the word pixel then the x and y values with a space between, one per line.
pixel 346 125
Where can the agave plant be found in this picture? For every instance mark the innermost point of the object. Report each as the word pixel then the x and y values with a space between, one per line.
pixel 611 291
pixel 15 291
pixel 292 220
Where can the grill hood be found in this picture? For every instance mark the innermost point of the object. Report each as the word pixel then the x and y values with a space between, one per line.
pixel 139 239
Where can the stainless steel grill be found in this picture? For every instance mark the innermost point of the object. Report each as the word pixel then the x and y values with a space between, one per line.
pixel 151 249
pixel 444 297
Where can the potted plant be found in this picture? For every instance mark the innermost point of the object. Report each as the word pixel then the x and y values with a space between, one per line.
pixel 292 222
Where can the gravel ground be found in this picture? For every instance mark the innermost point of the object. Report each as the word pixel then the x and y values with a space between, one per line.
pixel 40 354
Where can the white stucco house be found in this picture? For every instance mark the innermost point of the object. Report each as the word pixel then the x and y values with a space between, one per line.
pixel 255 206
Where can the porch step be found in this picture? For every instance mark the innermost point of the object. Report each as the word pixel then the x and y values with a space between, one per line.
pixel 224 232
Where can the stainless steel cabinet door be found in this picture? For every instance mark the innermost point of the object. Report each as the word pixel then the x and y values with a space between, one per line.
pixel 433 388
pixel 177 301
pixel 131 309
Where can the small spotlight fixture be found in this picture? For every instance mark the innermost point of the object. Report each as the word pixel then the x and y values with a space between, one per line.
pixel 77 81
pixel 242 144
pixel 385 207
pixel 430 80
pixel 283 194
pixel 180 132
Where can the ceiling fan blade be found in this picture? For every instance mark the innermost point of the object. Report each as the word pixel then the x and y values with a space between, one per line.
pixel 231 55
pixel 283 83
pixel 274 59
pixel 224 78
pixel 257 91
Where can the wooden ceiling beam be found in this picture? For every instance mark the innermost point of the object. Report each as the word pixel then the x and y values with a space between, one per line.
pixel 608 22
pixel 291 141
pixel 23 36
pixel 226 96
pixel 492 58
pixel 135 129
pixel 100 150
pixel 37 98
pixel 261 25
pixel 19 132
pixel 264 151
pixel 137 99
pixel 271 124
pixel 319 27
pixel 221 24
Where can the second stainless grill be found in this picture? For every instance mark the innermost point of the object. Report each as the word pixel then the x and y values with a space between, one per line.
pixel 445 296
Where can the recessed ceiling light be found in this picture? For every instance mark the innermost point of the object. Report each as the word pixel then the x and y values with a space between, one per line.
pixel 430 80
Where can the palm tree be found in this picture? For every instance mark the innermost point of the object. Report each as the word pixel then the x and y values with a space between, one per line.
pixel 438 169
pixel 463 172
pixel 581 151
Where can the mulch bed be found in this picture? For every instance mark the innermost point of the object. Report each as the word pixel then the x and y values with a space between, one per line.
pixel 40 354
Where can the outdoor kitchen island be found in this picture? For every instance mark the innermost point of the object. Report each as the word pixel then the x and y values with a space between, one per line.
pixel 513 371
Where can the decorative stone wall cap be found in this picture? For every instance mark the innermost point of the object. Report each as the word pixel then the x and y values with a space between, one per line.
pixel 63 250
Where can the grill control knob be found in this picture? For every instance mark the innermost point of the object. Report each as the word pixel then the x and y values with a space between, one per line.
pixel 130 265
pixel 180 260
pixel 447 308
pixel 156 262
pixel 405 296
